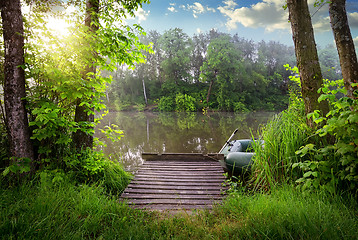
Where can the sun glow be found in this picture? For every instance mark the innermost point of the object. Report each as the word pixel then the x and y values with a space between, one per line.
pixel 61 26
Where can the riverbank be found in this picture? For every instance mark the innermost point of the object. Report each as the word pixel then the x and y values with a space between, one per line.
pixel 66 211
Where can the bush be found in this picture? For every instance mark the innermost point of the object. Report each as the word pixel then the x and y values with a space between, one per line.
pixel 333 166
pixel 184 103
pixel 240 107
pixel 93 167
pixel 166 104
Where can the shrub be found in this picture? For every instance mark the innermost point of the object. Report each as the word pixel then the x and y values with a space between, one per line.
pixel 240 107
pixel 91 166
pixel 184 102
pixel 333 166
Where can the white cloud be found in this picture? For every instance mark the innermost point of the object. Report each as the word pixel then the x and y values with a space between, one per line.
pixel 197 9
pixel 141 14
pixel 321 24
pixel 268 14
pixel 355 40
pixel 321 20
pixel 353 19
pixel 172 9
pixel 230 3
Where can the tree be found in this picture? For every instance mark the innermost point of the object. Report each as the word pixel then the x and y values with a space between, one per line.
pixel 83 115
pixel 221 67
pixel 176 46
pixel 345 45
pixel 200 46
pixel 14 82
pixel 307 57
pixel 107 41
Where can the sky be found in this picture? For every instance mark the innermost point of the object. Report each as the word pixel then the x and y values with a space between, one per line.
pixel 251 19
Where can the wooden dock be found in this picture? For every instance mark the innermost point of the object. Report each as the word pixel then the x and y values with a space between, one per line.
pixel 176 182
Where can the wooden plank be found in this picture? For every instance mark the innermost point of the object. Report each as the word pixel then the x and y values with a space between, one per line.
pixel 164 207
pixel 178 170
pixel 172 201
pixel 182 156
pixel 170 191
pixel 182 181
pixel 188 180
pixel 172 196
pixel 178 183
pixel 175 187
pixel 177 163
pixel 171 173
pixel 174 176
pixel 178 167
pixel 172 165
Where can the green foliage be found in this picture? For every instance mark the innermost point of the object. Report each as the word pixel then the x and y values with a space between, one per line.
pixel 55 66
pixel 176 46
pixel 241 72
pixel 334 158
pixel 166 104
pixel 184 102
pixel 318 173
pixel 19 166
pixel 239 107
pixel 91 166
pixel 112 132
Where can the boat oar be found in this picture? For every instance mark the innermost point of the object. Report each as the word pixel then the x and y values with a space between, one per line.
pixel 227 142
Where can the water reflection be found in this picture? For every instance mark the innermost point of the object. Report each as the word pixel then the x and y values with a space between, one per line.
pixel 175 132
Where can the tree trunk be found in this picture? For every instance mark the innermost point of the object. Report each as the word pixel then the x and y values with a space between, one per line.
pixel 82 139
pixel 145 93
pixel 14 83
pixel 209 91
pixel 307 57
pixel 345 45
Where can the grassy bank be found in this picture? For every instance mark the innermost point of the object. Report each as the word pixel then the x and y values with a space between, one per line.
pixel 65 211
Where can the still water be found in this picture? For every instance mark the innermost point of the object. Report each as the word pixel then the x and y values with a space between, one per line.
pixel 175 133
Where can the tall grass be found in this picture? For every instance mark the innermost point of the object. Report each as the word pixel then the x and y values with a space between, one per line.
pixel 288 213
pixel 283 136
pixel 67 211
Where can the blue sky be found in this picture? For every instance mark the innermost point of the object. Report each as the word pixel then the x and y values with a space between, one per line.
pixel 256 20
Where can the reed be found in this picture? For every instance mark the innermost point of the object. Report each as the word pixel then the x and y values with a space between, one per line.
pixel 282 136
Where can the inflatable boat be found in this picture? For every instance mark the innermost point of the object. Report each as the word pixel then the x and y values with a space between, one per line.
pixel 238 155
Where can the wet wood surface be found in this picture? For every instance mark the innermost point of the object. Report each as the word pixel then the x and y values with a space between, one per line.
pixel 175 182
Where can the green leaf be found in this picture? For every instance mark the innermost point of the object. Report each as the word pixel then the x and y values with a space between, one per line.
pixel 307 174
pixel 6 171
pixel 353 117
pixel 295 165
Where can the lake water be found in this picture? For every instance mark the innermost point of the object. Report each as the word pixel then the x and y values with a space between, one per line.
pixel 175 133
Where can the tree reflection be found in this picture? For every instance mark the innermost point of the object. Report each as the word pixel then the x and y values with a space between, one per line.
pixel 175 132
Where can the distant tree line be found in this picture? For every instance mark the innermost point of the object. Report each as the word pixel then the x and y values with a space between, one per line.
pixel 213 70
